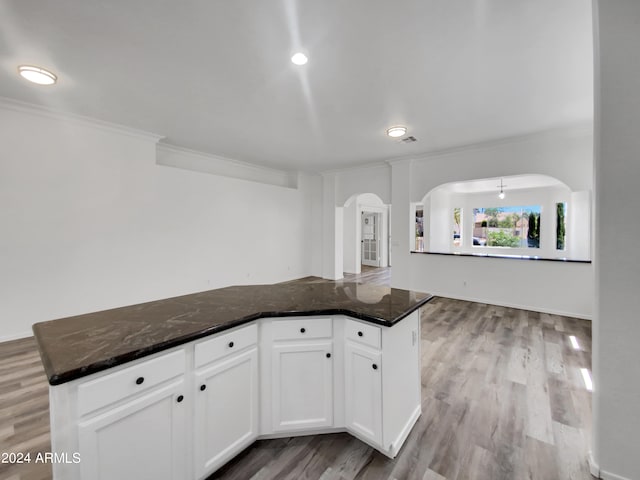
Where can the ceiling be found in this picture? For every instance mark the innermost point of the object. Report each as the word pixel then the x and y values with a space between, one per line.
pixel 216 76
pixel 514 182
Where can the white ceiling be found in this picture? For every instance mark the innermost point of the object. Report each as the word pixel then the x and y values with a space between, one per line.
pixel 515 182
pixel 215 76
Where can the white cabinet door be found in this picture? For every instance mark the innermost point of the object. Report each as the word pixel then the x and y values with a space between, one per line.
pixel 143 439
pixel 226 410
pixel 302 386
pixel 363 392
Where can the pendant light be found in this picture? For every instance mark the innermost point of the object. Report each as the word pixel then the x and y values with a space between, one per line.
pixel 501 194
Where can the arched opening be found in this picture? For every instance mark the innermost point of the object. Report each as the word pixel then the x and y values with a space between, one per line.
pixel 365 232
pixel 532 215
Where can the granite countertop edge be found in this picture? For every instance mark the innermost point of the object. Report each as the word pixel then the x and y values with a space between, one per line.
pixel 58 378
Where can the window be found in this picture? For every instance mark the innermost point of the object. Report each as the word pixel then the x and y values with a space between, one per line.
pixel 509 227
pixel 457 227
pixel 419 230
pixel 561 225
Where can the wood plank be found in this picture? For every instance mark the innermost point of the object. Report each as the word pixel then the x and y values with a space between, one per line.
pixel 503 398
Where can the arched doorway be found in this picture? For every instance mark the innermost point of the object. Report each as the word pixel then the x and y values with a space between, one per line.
pixel 365 232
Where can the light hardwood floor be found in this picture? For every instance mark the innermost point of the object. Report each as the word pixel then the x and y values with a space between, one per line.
pixel 502 394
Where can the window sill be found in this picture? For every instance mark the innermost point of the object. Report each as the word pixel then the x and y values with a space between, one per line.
pixel 510 257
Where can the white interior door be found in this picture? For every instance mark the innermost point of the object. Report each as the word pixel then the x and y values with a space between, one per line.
pixel 371 239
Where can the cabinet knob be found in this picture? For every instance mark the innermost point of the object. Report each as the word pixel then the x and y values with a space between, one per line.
pixel 230 344
pixel 179 399
pixel 328 355
pixel 203 388
pixel 360 334
pixel 139 380
pixel 374 366
pixel 302 330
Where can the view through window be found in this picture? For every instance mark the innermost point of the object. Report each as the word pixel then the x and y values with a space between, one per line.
pixel 561 225
pixel 510 227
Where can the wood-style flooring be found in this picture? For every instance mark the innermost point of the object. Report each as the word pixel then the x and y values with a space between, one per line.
pixel 502 398
pixel 24 409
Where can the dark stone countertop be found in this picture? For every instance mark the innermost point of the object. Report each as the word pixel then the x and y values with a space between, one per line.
pixel 77 346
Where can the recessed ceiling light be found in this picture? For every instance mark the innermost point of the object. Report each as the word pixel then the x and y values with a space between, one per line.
pixel 299 58
pixel 37 75
pixel 396 131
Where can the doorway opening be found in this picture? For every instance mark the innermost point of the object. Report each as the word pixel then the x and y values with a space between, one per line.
pixel 365 233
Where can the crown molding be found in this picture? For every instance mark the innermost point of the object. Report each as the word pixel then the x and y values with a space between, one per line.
pixel 32 109
pixel 568 130
pixel 223 166
pixel 365 166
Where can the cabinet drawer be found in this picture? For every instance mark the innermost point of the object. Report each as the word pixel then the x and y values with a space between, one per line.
pixel 302 328
pixel 225 344
pixel 362 333
pixel 117 386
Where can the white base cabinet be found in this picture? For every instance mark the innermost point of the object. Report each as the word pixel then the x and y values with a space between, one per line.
pixel 226 410
pixel 363 392
pixel 183 413
pixel 146 435
pixel 302 379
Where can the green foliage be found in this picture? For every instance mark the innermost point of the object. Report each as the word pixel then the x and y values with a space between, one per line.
pixel 502 239
pixel 505 222
pixel 533 235
pixel 560 226
pixel 456 216
pixel 492 214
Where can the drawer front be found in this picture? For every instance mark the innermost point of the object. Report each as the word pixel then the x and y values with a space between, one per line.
pixel 119 385
pixel 225 344
pixel 363 333
pixel 302 328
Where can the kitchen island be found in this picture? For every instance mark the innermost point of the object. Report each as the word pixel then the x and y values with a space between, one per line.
pixel 191 381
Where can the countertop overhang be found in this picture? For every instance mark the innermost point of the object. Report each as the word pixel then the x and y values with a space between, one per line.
pixel 77 346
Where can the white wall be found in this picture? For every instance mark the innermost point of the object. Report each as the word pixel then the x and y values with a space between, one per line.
pixel 351 262
pixel 617 330
pixel 90 222
pixel 551 287
pixel 374 179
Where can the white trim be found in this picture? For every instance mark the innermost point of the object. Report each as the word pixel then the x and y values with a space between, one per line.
pixel 594 469
pixel 397 444
pixel 611 476
pixel 29 108
pixel 512 305
pixel 175 148
pixel 168 155
pixel 15 336
pixel 578 128
pixel 366 166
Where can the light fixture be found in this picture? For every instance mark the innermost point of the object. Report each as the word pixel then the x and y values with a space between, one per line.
pixel 396 131
pixel 299 58
pixel 37 75
pixel 501 194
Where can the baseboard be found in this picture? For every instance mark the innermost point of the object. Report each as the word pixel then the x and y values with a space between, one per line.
pixel 594 469
pixel 513 305
pixel 302 433
pixel 15 336
pixel 406 430
pixel 611 476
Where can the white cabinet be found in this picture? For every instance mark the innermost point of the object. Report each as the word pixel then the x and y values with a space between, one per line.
pixel 226 410
pixel 183 413
pixel 302 386
pixel 363 392
pixel 142 439
pixel 382 381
